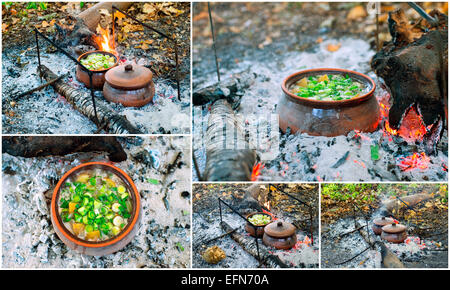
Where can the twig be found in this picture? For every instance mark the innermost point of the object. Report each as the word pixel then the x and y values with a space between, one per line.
pixel 37 88
pixel 347 233
pixel 346 261
pixel 219 237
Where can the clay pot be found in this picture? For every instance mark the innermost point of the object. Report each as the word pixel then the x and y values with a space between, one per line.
pixel 394 233
pixel 99 248
pixel 328 118
pixel 131 85
pixel 257 230
pixel 98 76
pixel 378 223
pixel 280 235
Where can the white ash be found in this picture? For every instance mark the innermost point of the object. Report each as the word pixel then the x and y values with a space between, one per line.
pixel 310 158
pixel 163 239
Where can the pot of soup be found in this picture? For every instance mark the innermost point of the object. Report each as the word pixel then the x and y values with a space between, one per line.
pixel 280 235
pixel 131 85
pixel 328 102
pixel 394 233
pixel 98 62
pixel 256 222
pixel 379 223
pixel 95 209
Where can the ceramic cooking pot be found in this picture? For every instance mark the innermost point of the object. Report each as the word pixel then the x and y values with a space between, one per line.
pixel 378 223
pixel 328 118
pixel 131 85
pixel 256 230
pixel 98 76
pixel 280 235
pixel 97 248
pixel 394 233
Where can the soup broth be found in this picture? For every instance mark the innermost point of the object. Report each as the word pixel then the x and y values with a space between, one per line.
pixel 95 205
pixel 97 61
pixel 328 87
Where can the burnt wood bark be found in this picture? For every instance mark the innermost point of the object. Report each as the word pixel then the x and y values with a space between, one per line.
pixel 228 156
pixel 230 89
pixel 82 102
pixel 414 66
pixel 35 146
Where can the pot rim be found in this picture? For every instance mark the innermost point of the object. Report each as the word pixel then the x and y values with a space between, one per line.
pixel 67 234
pixel 263 213
pixel 116 63
pixel 320 103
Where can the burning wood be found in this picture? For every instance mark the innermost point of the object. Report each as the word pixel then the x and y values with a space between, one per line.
pixel 414 67
pixel 82 102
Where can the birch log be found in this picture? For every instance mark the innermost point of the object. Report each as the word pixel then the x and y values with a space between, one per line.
pixel 82 102
pixel 228 156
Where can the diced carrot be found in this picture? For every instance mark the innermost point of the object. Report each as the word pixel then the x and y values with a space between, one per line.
pixel 94 235
pixel 303 82
pixel 84 177
pixel 323 78
pixel 77 228
pixel 110 182
pixel 72 207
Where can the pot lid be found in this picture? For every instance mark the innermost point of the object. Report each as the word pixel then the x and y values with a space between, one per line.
pixel 129 77
pixel 279 229
pixel 382 221
pixel 394 228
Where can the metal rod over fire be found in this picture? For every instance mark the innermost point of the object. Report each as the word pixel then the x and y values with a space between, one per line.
pixel 214 41
pixel 38 33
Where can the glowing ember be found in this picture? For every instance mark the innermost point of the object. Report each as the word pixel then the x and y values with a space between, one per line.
pixel 104 40
pixel 271 214
pixel 417 160
pixel 360 163
pixel 256 171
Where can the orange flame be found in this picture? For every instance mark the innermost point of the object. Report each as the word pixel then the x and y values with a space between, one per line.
pixel 104 40
pixel 256 171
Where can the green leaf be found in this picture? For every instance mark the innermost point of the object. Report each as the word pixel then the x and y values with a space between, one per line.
pixel 152 181
pixel 180 246
pixel 32 5
pixel 43 5
pixel 81 4
pixel 374 154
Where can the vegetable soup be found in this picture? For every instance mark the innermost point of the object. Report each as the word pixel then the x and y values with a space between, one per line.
pixel 98 61
pixel 328 87
pixel 95 205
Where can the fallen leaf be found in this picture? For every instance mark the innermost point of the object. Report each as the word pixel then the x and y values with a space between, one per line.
pixel 333 47
pixel 356 12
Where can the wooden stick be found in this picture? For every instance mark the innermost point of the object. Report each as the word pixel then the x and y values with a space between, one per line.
pixel 37 88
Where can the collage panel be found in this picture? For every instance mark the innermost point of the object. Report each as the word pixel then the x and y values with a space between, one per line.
pixel 307 91
pixel 96 68
pixel 242 225
pixel 388 225
pixel 96 202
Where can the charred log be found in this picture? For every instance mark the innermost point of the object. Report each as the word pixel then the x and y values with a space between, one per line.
pixel 410 200
pixel 230 89
pixel 86 24
pixel 388 259
pixel 414 67
pixel 36 146
pixel 82 102
pixel 228 156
